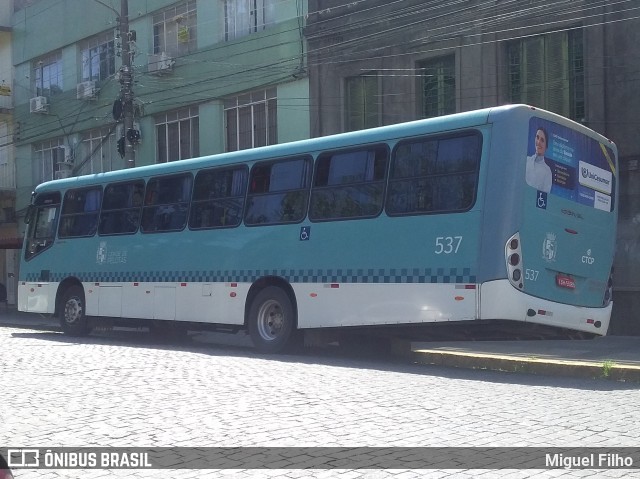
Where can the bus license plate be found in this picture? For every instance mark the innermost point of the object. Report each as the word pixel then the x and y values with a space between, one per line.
pixel 565 281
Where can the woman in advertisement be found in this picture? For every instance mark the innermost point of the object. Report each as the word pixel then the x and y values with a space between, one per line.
pixel 538 173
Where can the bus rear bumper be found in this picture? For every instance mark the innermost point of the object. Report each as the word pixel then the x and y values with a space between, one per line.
pixel 500 300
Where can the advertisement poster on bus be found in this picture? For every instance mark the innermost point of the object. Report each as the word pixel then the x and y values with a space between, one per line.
pixel 566 163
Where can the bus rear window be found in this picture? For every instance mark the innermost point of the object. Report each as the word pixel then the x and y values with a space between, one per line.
pixel 434 175
pixel 349 184
pixel 80 212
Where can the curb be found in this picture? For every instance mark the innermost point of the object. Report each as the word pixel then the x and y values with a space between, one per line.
pixel 608 370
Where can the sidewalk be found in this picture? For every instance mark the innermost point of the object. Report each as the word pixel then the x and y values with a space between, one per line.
pixel 610 357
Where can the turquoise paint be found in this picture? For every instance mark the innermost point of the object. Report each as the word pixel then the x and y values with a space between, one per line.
pixel 382 249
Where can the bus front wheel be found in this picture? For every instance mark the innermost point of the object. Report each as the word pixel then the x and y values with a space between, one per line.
pixel 73 320
pixel 271 320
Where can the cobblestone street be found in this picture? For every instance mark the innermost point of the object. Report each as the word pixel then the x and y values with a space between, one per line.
pixel 122 389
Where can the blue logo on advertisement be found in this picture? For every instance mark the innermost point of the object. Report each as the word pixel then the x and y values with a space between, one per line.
pixel 541 201
pixel 585 172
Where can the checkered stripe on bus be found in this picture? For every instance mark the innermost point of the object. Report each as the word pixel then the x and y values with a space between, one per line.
pixel 369 276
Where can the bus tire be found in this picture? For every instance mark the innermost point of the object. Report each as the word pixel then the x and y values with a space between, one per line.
pixel 271 320
pixel 73 319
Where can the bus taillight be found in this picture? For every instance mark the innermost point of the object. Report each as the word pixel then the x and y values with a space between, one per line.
pixel 513 256
pixel 608 294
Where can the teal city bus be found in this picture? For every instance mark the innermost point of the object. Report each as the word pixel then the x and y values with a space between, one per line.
pixel 506 213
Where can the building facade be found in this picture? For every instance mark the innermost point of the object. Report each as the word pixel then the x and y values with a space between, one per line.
pixel 219 75
pixel 207 77
pixel 376 63
pixel 9 237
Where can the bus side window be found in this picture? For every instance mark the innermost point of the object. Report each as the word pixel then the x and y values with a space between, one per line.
pixel 434 175
pixel 166 203
pixel 218 198
pixel 121 208
pixel 80 212
pixel 349 184
pixel 278 192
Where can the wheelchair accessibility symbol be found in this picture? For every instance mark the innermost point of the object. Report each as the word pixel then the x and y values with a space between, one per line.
pixel 542 200
pixel 305 233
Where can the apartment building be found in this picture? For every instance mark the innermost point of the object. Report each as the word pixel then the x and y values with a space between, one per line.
pixel 9 237
pixel 206 76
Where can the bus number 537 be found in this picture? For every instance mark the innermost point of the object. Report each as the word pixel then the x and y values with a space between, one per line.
pixel 448 244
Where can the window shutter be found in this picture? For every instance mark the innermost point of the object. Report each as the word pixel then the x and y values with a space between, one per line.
pixel 439 87
pixel 533 72
pixel 355 102
pixel 371 101
pixel 557 73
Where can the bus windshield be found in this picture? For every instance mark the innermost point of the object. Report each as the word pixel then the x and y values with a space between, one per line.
pixel 42 224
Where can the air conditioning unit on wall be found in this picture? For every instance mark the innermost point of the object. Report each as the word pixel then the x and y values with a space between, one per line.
pixel 160 64
pixel 86 90
pixel 64 162
pixel 38 104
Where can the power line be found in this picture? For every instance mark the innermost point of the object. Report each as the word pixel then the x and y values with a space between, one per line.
pixel 259 70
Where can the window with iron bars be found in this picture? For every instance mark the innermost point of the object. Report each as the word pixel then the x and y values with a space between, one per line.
pixel 438 86
pixel 244 17
pixel 47 75
pixel 251 120
pixel 178 135
pixel 547 71
pixel 98 57
pixel 46 156
pixel 362 102
pixel 96 152
pixel 174 30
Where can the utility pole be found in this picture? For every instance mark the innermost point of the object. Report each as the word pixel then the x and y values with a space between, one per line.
pixel 126 86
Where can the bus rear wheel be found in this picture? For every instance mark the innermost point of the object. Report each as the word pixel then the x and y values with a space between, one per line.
pixel 271 320
pixel 73 320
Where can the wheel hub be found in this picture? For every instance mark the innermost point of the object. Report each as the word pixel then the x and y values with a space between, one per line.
pixel 270 320
pixel 72 311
